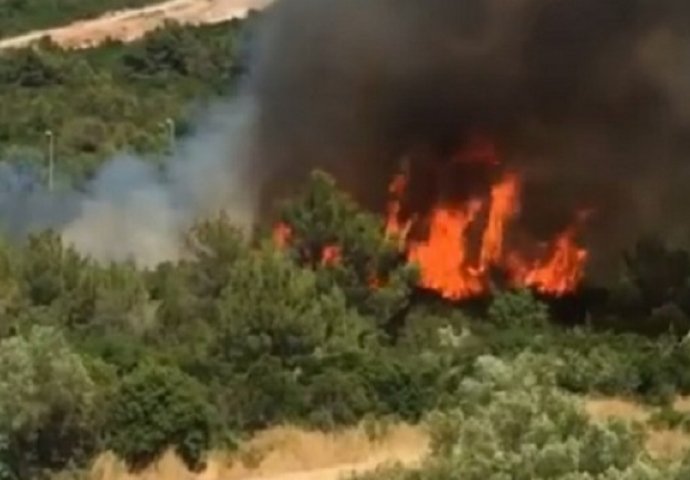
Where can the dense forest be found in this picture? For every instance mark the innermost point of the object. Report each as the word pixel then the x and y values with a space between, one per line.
pixel 249 332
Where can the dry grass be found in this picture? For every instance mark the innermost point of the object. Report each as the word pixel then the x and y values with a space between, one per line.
pixel 608 408
pixel 661 443
pixel 287 453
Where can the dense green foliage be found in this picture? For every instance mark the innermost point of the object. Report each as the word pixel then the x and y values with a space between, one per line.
pixel 19 16
pixel 511 421
pixel 156 407
pixel 47 402
pixel 110 99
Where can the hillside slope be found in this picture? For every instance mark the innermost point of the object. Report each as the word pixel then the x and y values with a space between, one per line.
pixel 128 25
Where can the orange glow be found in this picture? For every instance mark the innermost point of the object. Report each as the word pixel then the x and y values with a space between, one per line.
pixel 281 235
pixel 331 255
pixel 504 198
pixel 443 257
pixel 375 282
pixel 562 272
pixel 396 191
pixel 394 226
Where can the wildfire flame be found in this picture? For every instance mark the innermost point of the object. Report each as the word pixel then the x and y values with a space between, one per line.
pixel 504 197
pixel 395 228
pixel 562 272
pixel 282 236
pixel 330 255
pixel 449 262
pixel 445 257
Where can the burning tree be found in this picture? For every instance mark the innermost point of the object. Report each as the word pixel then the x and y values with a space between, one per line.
pixel 457 245
pixel 325 229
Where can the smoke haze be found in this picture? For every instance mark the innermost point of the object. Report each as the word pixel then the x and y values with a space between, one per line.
pixel 134 211
pixel 587 99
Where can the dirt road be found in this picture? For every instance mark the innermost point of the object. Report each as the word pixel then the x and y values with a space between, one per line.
pixel 285 453
pixel 128 25
pixel 340 472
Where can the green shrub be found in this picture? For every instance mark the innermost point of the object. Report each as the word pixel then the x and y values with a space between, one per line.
pixel 512 422
pixel 155 408
pixel 602 369
pixel 46 405
pixel 518 309
pixel 684 469
pixel 337 398
pixel 669 417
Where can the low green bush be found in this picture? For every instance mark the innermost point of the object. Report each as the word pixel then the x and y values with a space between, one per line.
pixel 156 408
pixel 512 422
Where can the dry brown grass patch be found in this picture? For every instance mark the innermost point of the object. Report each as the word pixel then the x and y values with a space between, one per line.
pixel 661 442
pixel 287 453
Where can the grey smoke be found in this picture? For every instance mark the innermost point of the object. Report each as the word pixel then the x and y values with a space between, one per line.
pixel 132 210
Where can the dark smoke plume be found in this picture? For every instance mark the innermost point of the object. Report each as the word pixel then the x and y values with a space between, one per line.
pixel 588 99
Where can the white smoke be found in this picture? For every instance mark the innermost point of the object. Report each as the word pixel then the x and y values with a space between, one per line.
pixel 134 211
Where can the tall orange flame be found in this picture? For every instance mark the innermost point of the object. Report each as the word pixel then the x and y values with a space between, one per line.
pixel 562 272
pixel 443 257
pixel 449 263
pixel 504 198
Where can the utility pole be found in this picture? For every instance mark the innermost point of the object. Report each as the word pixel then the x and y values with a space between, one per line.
pixel 170 123
pixel 51 158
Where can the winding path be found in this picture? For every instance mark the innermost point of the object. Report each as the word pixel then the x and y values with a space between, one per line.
pixel 129 25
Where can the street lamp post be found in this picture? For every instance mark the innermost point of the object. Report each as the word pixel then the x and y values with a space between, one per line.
pixel 170 123
pixel 51 158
